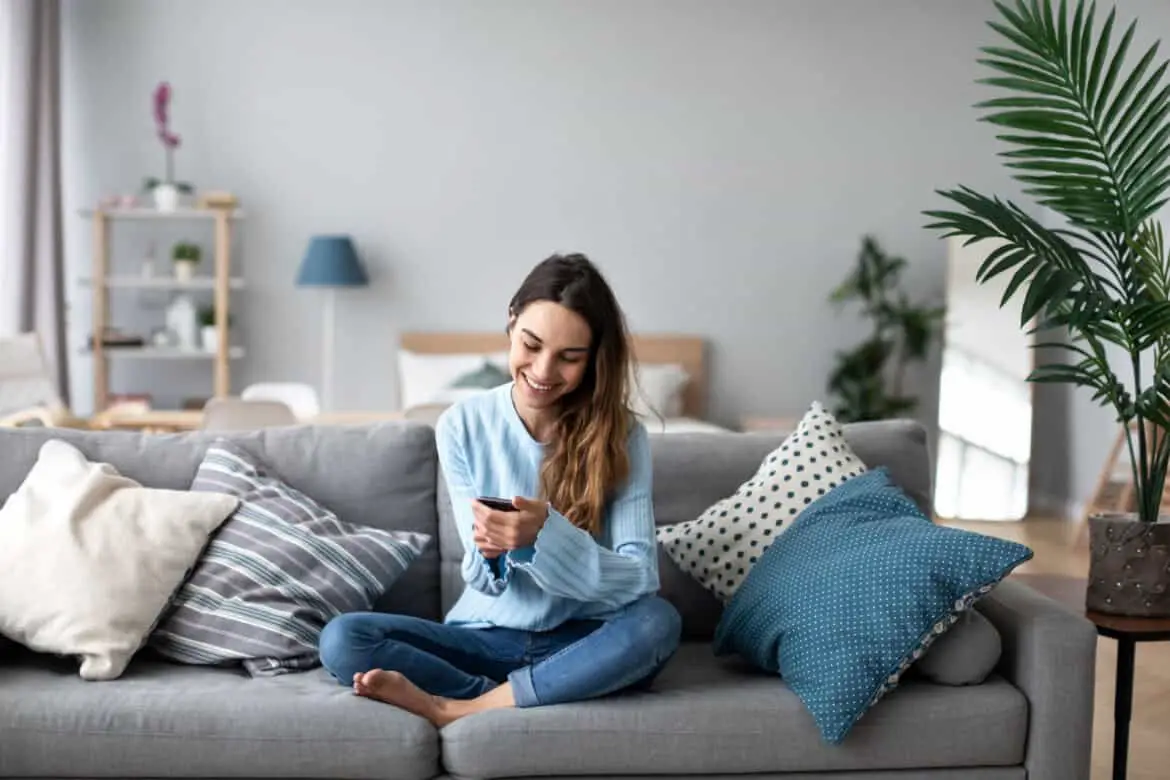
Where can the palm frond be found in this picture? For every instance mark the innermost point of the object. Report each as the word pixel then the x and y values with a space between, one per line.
pixel 1038 255
pixel 1089 144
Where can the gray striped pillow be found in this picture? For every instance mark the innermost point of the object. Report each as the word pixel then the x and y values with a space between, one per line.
pixel 275 572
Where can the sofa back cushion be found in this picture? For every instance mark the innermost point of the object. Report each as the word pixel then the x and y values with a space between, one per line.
pixel 694 470
pixel 381 475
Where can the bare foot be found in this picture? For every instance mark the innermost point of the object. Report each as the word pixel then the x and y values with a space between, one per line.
pixel 393 688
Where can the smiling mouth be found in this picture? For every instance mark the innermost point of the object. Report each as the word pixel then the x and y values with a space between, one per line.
pixel 537 386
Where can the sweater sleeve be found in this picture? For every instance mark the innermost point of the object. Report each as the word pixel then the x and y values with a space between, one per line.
pixel 567 561
pixel 488 577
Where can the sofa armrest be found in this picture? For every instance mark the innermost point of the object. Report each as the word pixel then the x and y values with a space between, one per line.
pixel 1050 654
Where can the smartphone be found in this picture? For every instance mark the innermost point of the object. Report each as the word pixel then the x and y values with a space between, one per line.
pixel 501 504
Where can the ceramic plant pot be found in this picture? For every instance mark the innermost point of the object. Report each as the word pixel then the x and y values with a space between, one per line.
pixel 1129 566
pixel 166 197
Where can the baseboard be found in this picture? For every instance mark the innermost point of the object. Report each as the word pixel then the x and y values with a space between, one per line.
pixel 1055 506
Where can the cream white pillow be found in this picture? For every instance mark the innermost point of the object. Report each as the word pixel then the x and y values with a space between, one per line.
pixel 427 379
pixel 89 559
pixel 657 388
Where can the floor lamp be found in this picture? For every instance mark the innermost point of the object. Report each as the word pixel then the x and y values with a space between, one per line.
pixel 330 262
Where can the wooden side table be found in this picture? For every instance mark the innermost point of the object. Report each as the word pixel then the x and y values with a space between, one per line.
pixel 1128 631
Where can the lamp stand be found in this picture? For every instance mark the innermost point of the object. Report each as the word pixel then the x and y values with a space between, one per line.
pixel 327 329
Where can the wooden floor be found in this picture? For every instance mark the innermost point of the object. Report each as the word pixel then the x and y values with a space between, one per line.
pixel 1059 551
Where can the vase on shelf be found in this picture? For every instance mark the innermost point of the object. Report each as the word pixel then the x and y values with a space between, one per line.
pixel 181 320
pixel 184 270
pixel 166 197
pixel 210 336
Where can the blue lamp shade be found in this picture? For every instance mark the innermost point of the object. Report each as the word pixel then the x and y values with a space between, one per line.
pixel 331 261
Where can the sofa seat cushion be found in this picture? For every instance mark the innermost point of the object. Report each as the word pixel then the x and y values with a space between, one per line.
pixel 167 720
pixel 708 715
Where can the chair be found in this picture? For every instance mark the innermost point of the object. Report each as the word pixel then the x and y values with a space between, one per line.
pixel 300 398
pixel 28 394
pixel 236 414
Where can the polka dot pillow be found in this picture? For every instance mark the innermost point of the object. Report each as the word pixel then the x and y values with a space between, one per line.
pixel 720 547
pixel 854 593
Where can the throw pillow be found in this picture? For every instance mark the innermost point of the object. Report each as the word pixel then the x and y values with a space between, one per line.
pixel 964 654
pixel 485 377
pixel 656 389
pixel 426 378
pixel 275 573
pixel 89 559
pixel 720 547
pixel 854 592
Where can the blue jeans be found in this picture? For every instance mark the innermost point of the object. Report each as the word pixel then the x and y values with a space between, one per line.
pixel 579 660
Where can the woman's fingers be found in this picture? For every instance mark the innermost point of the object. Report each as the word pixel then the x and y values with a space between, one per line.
pixel 485 541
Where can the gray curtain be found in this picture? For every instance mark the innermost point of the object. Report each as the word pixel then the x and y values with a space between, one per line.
pixel 32 283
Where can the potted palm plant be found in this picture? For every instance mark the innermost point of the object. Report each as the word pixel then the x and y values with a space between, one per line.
pixel 1088 138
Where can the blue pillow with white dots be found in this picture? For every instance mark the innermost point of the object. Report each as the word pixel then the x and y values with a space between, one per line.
pixel 854 592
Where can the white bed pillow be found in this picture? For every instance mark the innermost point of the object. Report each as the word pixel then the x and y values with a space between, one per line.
pixel 657 389
pixel 89 559
pixel 427 379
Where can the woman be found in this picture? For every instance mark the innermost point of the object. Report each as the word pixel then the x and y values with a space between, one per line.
pixel 560 601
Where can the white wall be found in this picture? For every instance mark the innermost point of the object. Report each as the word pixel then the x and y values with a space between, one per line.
pixel 720 161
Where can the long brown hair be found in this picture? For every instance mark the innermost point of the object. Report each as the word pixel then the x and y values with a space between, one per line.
pixel 587 459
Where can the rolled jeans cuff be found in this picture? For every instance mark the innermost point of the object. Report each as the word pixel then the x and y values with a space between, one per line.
pixel 523 691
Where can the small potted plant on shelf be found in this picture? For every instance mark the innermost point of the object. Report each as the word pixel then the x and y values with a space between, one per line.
pixel 208 332
pixel 1089 139
pixel 185 256
pixel 166 191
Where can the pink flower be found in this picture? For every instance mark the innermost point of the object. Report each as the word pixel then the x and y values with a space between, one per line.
pixel 162 99
pixel 162 96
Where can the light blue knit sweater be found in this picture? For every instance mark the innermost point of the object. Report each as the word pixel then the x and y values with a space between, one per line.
pixel 567 574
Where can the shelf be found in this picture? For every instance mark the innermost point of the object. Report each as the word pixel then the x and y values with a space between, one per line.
pixel 143 212
pixel 162 283
pixel 164 353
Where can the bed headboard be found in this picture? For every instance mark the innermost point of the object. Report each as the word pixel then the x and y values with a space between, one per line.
pixel 686 351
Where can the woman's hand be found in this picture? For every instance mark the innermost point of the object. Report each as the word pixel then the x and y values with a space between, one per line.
pixel 496 532
pixel 479 536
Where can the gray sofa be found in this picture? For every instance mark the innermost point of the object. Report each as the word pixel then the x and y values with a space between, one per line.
pixel 704 717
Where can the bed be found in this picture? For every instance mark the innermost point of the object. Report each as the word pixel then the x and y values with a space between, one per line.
pixel 437 369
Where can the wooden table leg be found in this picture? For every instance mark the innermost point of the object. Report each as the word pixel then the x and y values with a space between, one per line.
pixel 1122 707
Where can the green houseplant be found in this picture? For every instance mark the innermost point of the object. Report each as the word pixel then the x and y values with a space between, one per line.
pixel 868 378
pixel 208 330
pixel 185 256
pixel 1088 138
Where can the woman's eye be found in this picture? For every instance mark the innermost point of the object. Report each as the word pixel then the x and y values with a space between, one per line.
pixel 531 347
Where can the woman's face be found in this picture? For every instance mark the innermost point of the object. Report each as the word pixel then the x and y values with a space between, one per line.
pixel 549 353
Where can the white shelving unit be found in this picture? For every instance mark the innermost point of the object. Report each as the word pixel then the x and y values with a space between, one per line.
pixel 102 282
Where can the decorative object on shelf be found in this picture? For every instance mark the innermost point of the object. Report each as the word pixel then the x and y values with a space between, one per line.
pixel 330 262
pixel 214 199
pixel 868 378
pixel 185 256
pixel 148 262
pixel 181 320
pixel 166 191
pixel 113 337
pixel 1091 143
pixel 163 337
pixel 117 201
pixel 208 331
